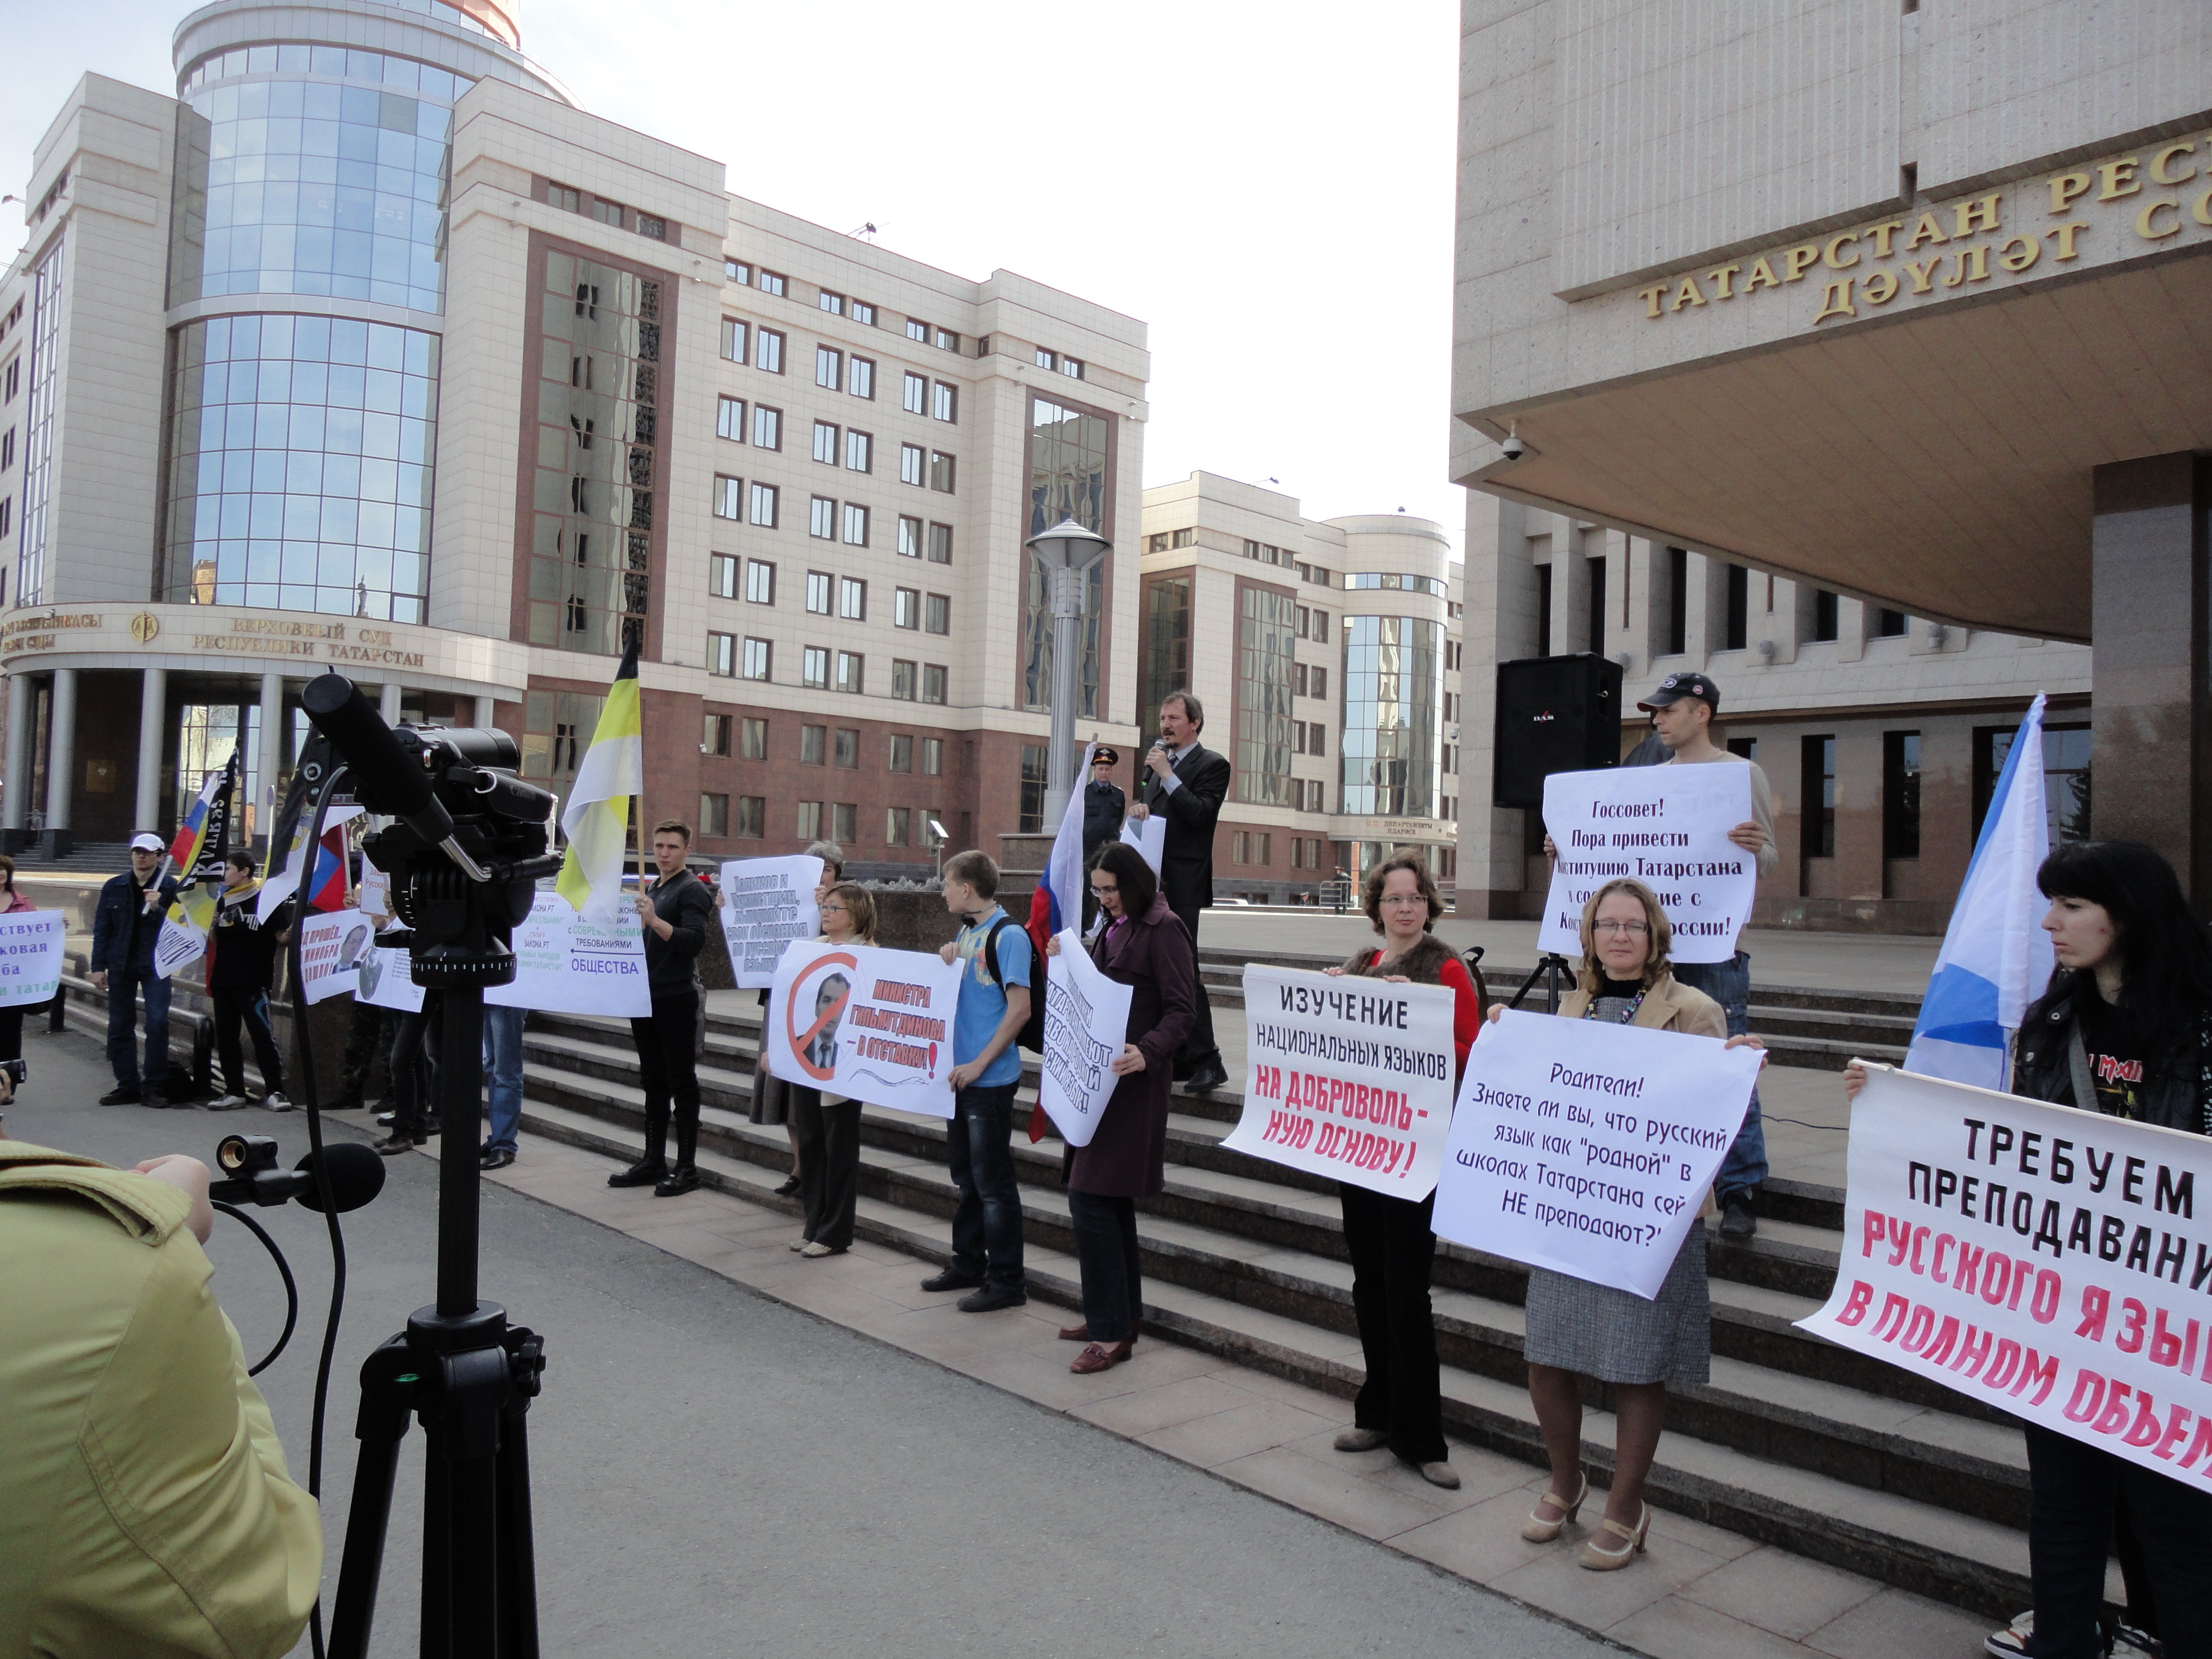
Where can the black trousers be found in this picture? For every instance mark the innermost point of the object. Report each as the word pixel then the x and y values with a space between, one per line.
pixel 667 1061
pixel 2073 1490
pixel 11 1032
pixel 1199 1046
pixel 368 1035
pixel 246 1006
pixel 828 1136
pixel 1392 1251
pixel 414 1069
pixel 1106 1251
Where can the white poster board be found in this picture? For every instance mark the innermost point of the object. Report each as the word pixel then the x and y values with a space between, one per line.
pixel 333 946
pixel 1086 1021
pixel 766 904
pixel 31 957
pixel 178 944
pixel 1149 835
pixel 1347 1077
pixel 567 964
pixel 1586 1147
pixel 386 981
pixel 1668 827
pixel 867 1023
pixel 2045 1260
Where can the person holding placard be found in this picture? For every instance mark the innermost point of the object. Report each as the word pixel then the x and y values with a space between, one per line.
pixel 771 1096
pixel 241 963
pixel 676 913
pixel 827 1133
pixel 1142 945
pixel 2124 1028
pixel 11 1020
pixel 1576 1328
pixel 1392 1244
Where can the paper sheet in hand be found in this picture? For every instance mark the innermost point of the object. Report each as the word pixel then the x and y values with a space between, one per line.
pixel 567 964
pixel 1587 1148
pixel 388 981
pixel 1149 835
pixel 1668 827
pixel 31 957
pixel 766 904
pixel 1086 1021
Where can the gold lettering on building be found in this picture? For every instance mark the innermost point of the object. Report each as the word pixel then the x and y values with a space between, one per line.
pixel 2146 221
pixel 2159 173
pixel 1925 229
pixel 2119 179
pixel 1880 287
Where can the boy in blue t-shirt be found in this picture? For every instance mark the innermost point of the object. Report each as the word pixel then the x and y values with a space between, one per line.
pixel 986 1226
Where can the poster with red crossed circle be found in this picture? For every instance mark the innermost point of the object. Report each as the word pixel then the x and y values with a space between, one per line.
pixel 864 1024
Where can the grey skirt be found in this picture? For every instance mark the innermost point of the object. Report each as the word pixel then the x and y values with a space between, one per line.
pixel 1617 1337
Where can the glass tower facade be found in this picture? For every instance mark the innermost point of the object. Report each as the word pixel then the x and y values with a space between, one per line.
pixel 1392 699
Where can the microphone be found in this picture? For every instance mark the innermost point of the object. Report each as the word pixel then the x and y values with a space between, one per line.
pixel 355 1172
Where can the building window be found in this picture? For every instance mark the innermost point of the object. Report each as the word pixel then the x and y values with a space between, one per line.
pixel 845 823
pixel 1543 610
pixel 856 524
pixel 906 607
pixel 902 680
pixel 845 751
pixel 822 518
pixel 809 820
pixel 852 598
pixel 1900 794
pixel 909 538
pixel 647 225
pixel 1824 609
pixel 715 734
pixel 943 401
pixel 752 817
pixel 814 668
pixel 730 419
pixel 736 270
pixel 761 505
pixel 912 460
pixel 941 467
pixel 938 616
pixel 733 339
pixel 947 340
pixel 860 377
pixel 2065 776
pixel 933 756
pixel 728 493
pixel 1162 642
pixel 1678 600
pixel 915 398
pixel 1071 368
pixel 752 738
pixel 1818 835
pixel 828 367
pixel 852 672
pixel 813 745
pixel 1031 806
pixel 722 654
pixel 557 728
pixel 768 350
pixel 859 452
pixel 715 815
pixel 932 682
pixel 1393 684
pixel 1746 747
pixel 771 282
pixel 1253 847
pixel 768 428
pixel 1044 359
pixel 1264 659
pixel 818 592
pixel 917 330
pixel 1887 624
pixel 722 575
pixel 606 212
pixel 760 581
pixel 896 823
pixel 832 303
pixel 901 753
pixel 1068 478
pixel 862 312
pixel 940 544
pixel 825 443
pixel 1737 634
pixel 759 660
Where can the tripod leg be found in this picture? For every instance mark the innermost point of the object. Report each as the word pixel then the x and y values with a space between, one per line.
pixel 437 1564
pixel 382 1424
pixel 517 1565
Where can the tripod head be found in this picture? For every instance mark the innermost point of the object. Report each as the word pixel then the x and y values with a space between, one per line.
pixel 470 840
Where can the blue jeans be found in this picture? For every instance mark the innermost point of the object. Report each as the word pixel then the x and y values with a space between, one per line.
pixel 123 985
pixel 1729 983
pixel 987 1225
pixel 503 1064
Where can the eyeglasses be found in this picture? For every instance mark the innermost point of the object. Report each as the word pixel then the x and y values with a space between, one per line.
pixel 1405 898
pixel 1108 890
pixel 1631 928
pixel 832 909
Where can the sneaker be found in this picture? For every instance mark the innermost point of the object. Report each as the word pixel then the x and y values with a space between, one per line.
pixel 275 1101
pixel 1738 1220
pixel 384 1120
pixel 225 1104
pixel 123 1094
pixel 991 1298
pixel 2129 1642
pixel 2005 1644
pixel 816 1251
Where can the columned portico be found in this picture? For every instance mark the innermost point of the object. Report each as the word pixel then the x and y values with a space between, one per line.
pixel 61 761
pixel 152 733
pixel 15 798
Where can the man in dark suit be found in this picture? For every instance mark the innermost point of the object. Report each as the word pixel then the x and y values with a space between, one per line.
pixel 1185 783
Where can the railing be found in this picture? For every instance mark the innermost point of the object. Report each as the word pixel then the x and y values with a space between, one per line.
pixel 1336 894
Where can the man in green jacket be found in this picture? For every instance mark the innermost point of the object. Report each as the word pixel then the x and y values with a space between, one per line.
pixel 144 1504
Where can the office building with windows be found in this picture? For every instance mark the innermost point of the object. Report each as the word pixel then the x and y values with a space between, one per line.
pixel 1337 703
pixel 370 350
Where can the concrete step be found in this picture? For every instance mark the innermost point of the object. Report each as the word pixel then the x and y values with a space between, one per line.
pixel 1837 1515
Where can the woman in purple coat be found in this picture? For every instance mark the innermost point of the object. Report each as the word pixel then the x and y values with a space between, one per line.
pixel 1142 945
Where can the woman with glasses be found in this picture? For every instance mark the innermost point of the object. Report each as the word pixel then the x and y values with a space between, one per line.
pixel 1141 945
pixel 1392 1247
pixel 827 1133
pixel 1576 1329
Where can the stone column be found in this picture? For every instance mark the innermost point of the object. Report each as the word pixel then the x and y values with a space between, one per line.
pixel 61 761
pixel 2151 755
pixel 388 704
pixel 271 757
pixel 15 798
pixel 153 743
pixel 487 711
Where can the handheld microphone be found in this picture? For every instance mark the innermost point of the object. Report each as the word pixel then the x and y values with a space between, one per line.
pixel 355 1172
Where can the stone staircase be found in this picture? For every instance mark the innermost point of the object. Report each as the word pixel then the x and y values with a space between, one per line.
pixel 1795 1442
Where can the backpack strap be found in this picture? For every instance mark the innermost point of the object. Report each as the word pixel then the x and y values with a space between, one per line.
pixel 991 950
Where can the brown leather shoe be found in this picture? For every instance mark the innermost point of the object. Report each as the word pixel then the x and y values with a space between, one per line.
pixel 1099 1358
pixel 1082 1332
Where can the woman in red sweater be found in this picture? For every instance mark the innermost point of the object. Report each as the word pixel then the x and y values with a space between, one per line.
pixel 1392 1246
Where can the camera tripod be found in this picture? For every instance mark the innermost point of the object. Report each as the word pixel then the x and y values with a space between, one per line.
pixel 1554 970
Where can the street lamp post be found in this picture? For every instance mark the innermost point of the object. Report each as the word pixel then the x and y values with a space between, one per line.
pixel 1068 551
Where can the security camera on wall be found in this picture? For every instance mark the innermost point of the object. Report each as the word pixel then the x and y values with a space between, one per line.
pixel 1513 449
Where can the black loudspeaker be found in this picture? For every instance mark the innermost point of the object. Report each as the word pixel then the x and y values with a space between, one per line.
pixel 1554 714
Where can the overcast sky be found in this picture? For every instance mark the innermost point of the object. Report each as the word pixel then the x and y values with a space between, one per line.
pixel 1269 186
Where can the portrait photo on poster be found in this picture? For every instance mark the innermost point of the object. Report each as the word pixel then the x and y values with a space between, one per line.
pixel 867 1023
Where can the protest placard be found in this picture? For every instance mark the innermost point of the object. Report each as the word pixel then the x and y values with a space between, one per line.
pixel 1346 1077
pixel 1668 827
pixel 1587 1148
pixel 177 945
pixel 863 1023
pixel 30 957
pixel 1149 835
pixel 567 964
pixel 2044 1261
pixel 766 904
pixel 387 981
pixel 1086 1021
pixel 332 944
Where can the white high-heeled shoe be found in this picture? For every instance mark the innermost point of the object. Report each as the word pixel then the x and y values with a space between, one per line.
pixel 1597 1559
pixel 1537 1530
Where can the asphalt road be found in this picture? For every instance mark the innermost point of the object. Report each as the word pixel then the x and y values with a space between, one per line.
pixel 716 1474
